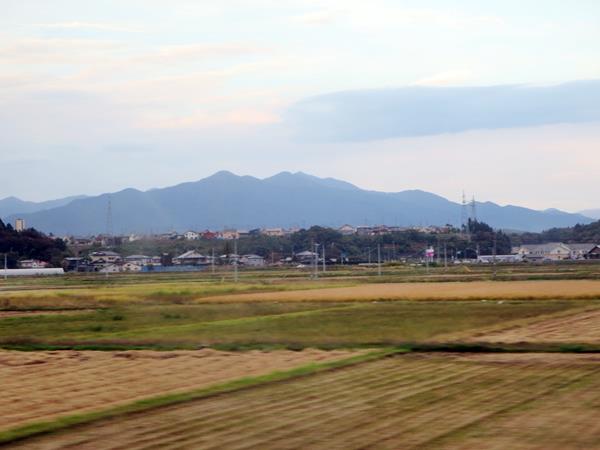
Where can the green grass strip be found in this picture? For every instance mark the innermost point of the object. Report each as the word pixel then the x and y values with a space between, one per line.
pixel 65 422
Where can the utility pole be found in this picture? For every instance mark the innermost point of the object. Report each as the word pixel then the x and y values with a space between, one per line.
pixel 445 255
pixel 5 266
pixel 316 261
pixel 495 251
pixel 379 259
pixel 323 258
pixel 212 261
pixel 235 261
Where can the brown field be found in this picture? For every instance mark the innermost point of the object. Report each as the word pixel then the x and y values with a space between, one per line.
pixel 43 385
pixel 581 327
pixel 475 290
pixel 519 401
pixel 42 312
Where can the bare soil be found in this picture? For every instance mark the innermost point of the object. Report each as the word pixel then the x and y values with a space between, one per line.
pixel 43 385
pixel 522 401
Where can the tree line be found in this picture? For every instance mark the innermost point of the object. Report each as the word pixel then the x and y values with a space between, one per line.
pixel 29 244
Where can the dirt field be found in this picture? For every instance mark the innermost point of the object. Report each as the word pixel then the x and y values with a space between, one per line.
pixel 582 327
pixel 520 401
pixel 563 289
pixel 42 385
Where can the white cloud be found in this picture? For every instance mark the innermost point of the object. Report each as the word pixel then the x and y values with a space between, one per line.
pixel 193 52
pixel 94 26
pixel 446 78
pixel 317 18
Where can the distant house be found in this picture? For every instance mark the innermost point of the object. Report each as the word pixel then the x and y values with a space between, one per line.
pixel 274 232
pixel 252 260
pixel 584 251
pixel 491 259
pixel 229 234
pixel 190 258
pixel 306 257
pixel 209 235
pixel 104 257
pixel 71 264
pixel 191 236
pixel 32 264
pixel 555 251
pixel 364 230
pixel 110 268
pixel 347 230
pixel 140 260
pixel 594 253
pixel 131 267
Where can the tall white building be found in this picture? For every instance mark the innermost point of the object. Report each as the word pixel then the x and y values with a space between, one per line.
pixel 20 224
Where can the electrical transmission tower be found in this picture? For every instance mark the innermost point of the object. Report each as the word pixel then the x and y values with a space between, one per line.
pixel 464 215
pixel 109 219
pixel 473 210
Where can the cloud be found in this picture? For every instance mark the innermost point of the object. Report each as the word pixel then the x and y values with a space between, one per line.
pixel 446 78
pixel 192 52
pixel 93 26
pixel 317 18
pixel 54 51
pixel 365 115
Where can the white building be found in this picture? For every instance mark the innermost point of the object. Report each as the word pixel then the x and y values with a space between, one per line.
pixel 191 236
pixel 104 257
pixel 581 251
pixel 131 267
pixel 32 264
pixel 20 225
pixel 252 260
pixel 192 258
pixel 554 251
pixel 347 230
pixel 140 260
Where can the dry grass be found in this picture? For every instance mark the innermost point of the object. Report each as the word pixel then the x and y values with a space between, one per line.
pixel 42 312
pixel 43 385
pixel 581 327
pixel 476 290
pixel 415 401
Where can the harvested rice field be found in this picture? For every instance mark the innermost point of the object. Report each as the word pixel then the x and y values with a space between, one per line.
pixel 507 401
pixel 43 385
pixel 581 327
pixel 42 312
pixel 474 290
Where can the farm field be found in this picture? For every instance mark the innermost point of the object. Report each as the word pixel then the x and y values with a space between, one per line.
pixel 43 385
pixel 473 290
pixel 516 401
pixel 404 282
pixel 578 327
pixel 269 324
pixel 300 364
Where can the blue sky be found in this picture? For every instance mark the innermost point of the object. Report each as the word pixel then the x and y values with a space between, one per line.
pixel 147 93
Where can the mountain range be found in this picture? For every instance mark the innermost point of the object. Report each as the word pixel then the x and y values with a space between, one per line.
pixel 593 213
pixel 226 200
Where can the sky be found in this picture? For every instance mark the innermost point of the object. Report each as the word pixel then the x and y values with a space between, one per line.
pixel 500 99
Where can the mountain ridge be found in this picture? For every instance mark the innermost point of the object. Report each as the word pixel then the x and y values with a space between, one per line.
pixel 286 199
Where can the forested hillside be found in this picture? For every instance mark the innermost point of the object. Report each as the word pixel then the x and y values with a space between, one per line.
pixel 29 244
